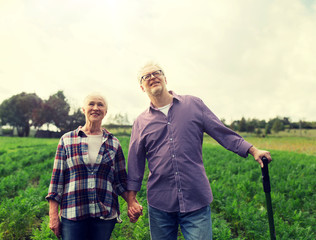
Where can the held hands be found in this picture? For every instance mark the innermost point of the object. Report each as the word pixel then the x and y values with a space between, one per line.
pixel 135 210
pixel 259 154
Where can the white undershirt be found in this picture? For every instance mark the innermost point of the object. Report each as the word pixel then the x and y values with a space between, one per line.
pixel 165 109
pixel 94 144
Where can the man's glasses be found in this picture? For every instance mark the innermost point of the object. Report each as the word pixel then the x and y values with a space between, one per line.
pixel 148 76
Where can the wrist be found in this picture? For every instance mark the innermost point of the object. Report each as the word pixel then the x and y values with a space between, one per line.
pixel 252 150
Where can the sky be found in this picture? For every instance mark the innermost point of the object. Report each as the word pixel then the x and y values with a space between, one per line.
pixel 251 59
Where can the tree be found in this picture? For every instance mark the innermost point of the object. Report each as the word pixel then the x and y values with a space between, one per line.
pixel 54 111
pixel 261 124
pixel 42 115
pixel 286 121
pixel 18 111
pixel 277 125
pixel 57 110
pixel 235 125
pixel 267 128
pixel 258 132
pixel 118 119
pixel 243 125
pixel 75 120
pixel 251 126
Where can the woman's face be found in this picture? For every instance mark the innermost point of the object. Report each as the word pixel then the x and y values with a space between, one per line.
pixel 94 109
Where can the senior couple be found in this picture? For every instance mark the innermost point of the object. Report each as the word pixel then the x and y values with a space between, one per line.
pixel 89 170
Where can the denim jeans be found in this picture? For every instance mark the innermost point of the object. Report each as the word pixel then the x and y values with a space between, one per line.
pixel 196 225
pixel 91 228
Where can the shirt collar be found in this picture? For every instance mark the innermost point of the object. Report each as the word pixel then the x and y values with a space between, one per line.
pixel 175 97
pixel 81 133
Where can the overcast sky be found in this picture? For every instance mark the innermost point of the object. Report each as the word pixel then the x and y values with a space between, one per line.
pixel 252 59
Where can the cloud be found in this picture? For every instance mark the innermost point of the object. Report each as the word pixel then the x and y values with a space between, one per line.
pixel 243 58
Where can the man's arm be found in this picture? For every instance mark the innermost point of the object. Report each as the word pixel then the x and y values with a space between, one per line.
pixel 54 221
pixel 259 154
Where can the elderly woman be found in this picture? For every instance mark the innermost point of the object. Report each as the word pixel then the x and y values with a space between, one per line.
pixel 88 175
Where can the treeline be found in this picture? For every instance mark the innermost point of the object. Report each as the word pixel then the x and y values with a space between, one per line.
pixel 262 127
pixel 26 110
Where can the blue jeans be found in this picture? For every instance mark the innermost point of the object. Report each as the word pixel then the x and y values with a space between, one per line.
pixel 91 228
pixel 196 225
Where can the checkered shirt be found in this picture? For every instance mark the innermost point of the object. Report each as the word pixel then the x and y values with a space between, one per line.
pixel 84 190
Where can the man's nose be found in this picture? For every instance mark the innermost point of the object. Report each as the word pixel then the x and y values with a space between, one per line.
pixel 152 76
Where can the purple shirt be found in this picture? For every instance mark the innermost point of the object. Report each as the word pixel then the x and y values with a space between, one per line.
pixel 173 147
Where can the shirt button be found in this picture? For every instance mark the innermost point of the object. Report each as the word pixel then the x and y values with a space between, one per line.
pixel 176 173
pixel 170 139
pixel 179 190
pixel 169 123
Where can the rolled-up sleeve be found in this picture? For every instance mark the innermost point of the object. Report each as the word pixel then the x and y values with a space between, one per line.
pixel 222 134
pixel 136 160
pixel 56 187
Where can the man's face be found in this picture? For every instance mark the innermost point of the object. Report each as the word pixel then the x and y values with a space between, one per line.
pixel 155 85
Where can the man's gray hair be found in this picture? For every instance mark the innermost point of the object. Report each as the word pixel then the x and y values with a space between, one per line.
pixel 146 65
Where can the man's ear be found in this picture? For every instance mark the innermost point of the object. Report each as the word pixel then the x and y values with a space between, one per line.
pixel 141 86
pixel 82 109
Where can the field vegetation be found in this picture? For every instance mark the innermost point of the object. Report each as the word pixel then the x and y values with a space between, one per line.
pixel 291 140
pixel 238 209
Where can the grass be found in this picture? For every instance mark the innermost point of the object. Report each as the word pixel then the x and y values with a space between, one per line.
pixel 282 141
pixel 238 207
pixel 292 140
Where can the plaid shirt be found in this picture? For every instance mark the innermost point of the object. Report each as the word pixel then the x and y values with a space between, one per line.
pixel 84 190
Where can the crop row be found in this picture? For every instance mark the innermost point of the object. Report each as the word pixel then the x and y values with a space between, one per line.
pixel 239 196
pixel 238 209
pixel 23 186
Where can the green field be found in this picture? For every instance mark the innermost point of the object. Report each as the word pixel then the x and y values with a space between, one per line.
pixel 238 209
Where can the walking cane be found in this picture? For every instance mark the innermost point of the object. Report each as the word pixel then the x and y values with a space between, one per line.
pixel 267 190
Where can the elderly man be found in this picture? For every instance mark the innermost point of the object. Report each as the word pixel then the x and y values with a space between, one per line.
pixel 88 175
pixel 169 135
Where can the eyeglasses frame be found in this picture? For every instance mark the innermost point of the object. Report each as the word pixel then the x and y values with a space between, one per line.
pixel 151 74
